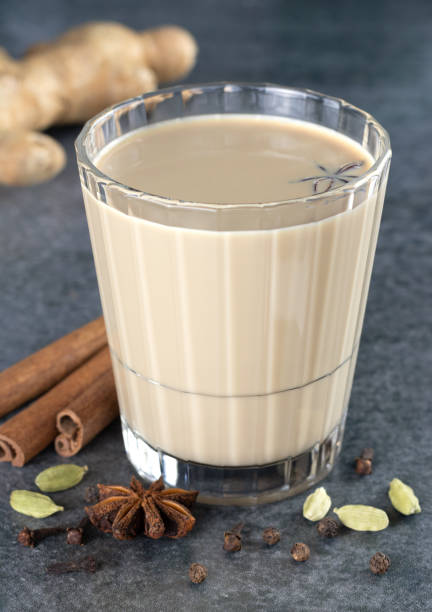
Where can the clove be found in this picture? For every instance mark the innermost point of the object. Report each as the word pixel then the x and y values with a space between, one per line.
pixel 74 535
pixel 86 564
pixel 32 537
pixel 232 539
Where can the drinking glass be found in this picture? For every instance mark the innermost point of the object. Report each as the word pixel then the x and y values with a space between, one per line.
pixel 232 378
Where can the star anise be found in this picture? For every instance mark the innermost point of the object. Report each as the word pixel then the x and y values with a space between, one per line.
pixel 330 178
pixel 128 511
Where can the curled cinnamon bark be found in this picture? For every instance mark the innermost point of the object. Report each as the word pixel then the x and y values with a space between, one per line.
pixel 29 432
pixel 87 415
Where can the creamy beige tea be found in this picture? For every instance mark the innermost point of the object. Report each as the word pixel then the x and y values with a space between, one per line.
pixel 233 348
pixel 237 159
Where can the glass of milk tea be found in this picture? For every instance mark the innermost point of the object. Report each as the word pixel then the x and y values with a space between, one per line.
pixel 233 229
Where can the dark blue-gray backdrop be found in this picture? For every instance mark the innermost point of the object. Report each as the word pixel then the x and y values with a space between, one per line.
pixel 377 55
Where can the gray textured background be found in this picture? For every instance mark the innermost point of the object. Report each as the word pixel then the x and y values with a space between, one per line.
pixel 379 56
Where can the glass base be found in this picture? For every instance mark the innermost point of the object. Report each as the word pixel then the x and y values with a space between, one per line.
pixel 232 485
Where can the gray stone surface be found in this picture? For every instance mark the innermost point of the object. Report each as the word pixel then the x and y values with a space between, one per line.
pixel 377 55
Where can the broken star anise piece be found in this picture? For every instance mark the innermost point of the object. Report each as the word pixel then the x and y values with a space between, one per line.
pixel 127 511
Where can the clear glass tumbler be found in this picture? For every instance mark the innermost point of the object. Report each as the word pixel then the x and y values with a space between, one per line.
pixel 246 409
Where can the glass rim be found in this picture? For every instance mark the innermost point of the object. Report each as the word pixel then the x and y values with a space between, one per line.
pixel 342 190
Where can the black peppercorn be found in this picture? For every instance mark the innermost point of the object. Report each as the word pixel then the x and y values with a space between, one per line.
pixel 232 539
pixel 271 536
pixel 197 573
pixel 379 563
pixel 232 542
pixel 328 527
pixel 300 551
pixel 363 464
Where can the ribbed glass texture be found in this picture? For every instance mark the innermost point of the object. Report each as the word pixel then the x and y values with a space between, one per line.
pixel 197 380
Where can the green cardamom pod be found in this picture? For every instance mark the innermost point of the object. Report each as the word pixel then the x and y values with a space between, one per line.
pixel 317 505
pixel 403 498
pixel 60 477
pixel 33 504
pixel 362 518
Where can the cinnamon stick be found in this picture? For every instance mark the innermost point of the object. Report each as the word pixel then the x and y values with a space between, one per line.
pixel 39 372
pixel 86 416
pixel 29 432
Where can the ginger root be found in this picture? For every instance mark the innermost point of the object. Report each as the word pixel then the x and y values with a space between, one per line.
pixel 6 61
pixel 75 76
pixel 29 157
